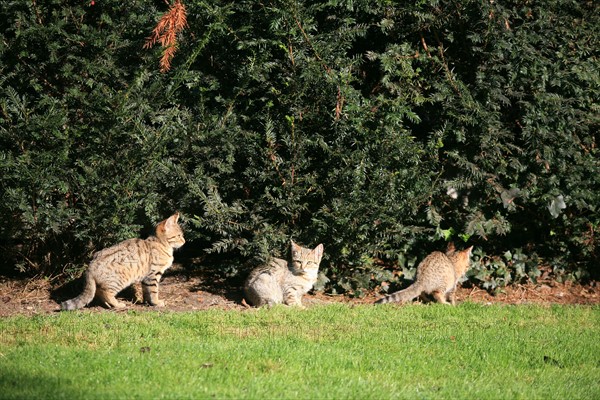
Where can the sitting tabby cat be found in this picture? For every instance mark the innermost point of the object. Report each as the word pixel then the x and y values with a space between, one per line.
pixel 134 260
pixel 282 282
pixel 438 274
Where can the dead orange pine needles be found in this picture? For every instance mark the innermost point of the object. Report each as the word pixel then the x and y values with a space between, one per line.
pixel 165 33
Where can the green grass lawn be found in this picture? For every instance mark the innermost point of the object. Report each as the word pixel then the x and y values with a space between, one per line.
pixel 331 351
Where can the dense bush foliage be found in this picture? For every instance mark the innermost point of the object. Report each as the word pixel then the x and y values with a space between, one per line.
pixel 381 129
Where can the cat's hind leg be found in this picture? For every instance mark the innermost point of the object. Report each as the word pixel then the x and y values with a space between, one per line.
pixel 108 298
pixel 439 296
pixel 451 295
pixel 264 291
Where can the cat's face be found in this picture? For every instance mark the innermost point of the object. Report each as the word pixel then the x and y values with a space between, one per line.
pixel 304 260
pixel 170 231
pixel 466 254
pixel 463 258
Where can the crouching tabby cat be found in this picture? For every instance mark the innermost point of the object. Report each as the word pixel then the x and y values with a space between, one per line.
pixel 437 275
pixel 134 260
pixel 282 282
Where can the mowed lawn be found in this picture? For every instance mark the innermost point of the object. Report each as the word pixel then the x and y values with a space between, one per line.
pixel 335 351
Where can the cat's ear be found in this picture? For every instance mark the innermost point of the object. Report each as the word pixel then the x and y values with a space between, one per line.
pixel 450 248
pixel 318 252
pixel 162 226
pixel 469 251
pixel 168 223
pixel 295 247
pixel 172 220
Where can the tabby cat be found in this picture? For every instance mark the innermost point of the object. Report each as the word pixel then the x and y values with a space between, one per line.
pixel 134 260
pixel 282 282
pixel 437 275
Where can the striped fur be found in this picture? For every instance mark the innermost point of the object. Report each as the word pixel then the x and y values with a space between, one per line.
pixel 115 268
pixel 282 282
pixel 437 275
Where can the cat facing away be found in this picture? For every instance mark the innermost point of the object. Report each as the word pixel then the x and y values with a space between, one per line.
pixel 280 281
pixel 437 275
pixel 115 268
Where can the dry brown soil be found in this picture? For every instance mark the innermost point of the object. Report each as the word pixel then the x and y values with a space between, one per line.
pixel 189 291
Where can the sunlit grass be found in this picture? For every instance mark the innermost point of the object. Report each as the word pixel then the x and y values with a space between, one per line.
pixel 333 351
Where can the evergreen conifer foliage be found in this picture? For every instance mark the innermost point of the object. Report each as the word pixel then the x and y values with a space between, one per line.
pixel 380 129
pixel 302 153
pixel 80 137
pixel 521 128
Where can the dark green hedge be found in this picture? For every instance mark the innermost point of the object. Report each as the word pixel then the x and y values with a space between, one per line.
pixel 381 129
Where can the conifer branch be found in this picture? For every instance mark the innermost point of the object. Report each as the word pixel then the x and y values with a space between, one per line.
pixel 165 33
pixel 446 68
pixel 318 57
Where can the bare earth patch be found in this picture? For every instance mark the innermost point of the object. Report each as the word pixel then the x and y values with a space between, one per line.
pixel 190 291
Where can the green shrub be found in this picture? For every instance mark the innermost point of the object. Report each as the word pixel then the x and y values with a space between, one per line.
pixel 82 139
pixel 383 130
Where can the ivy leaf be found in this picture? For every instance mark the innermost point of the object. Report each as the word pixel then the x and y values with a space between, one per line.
pixel 557 204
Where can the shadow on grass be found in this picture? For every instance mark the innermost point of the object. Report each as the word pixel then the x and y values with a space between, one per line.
pixel 18 384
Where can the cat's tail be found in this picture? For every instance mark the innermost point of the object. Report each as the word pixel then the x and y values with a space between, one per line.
pixel 89 291
pixel 402 296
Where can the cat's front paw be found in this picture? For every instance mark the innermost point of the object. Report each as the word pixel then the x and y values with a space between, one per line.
pixel 158 303
pixel 294 302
